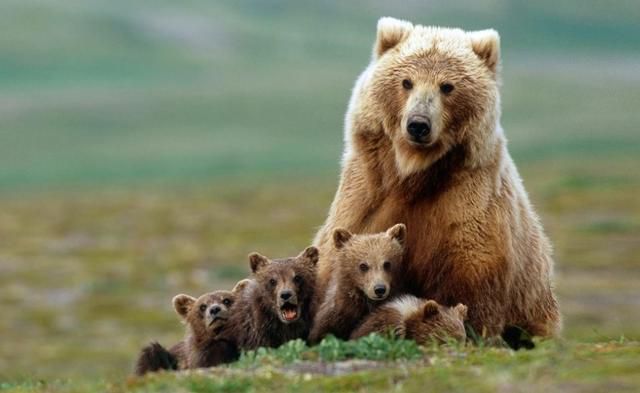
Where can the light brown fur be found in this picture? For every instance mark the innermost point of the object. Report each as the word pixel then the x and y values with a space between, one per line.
pixel 473 237
pixel 362 264
pixel 416 319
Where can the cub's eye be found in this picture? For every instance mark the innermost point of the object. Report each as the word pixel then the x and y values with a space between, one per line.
pixel 386 265
pixel 446 88
pixel 297 280
pixel 226 302
pixel 364 267
pixel 203 307
pixel 407 84
pixel 273 282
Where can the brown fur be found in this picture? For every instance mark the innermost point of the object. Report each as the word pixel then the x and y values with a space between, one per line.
pixel 153 358
pixel 361 263
pixel 473 236
pixel 417 319
pixel 259 321
pixel 202 346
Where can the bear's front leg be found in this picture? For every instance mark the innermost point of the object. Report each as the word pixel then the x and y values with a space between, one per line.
pixel 480 281
pixel 322 324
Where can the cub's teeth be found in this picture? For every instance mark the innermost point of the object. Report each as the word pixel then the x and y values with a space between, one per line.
pixel 289 314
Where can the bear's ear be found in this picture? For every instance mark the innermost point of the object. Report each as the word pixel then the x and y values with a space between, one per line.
pixel 241 285
pixel 341 237
pixel 183 303
pixel 398 232
pixel 257 261
pixel 430 309
pixel 486 44
pixel 461 310
pixel 311 254
pixel 390 33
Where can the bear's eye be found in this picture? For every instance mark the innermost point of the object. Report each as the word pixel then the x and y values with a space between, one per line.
pixel 364 267
pixel 297 280
pixel 386 265
pixel 273 282
pixel 203 307
pixel 446 88
pixel 407 84
pixel 226 302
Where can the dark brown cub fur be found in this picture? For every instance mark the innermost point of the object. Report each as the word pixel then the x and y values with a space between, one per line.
pixel 363 269
pixel 154 357
pixel 276 306
pixel 205 318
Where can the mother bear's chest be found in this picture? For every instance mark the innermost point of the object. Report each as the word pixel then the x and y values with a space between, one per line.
pixel 436 231
pixel 430 224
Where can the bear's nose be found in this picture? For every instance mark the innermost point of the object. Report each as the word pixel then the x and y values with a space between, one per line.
pixel 418 128
pixel 286 294
pixel 380 290
pixel 215 309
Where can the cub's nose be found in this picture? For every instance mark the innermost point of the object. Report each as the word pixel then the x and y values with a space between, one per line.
pixel 380 290
pixel 215 310
pixel 286 295
pixel 418 128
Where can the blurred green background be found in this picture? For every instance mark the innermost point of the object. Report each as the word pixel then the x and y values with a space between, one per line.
pixel 147 147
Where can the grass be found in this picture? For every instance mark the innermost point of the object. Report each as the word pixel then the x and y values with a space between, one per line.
pixel 554 366
pixel 331 349
pixel 87 276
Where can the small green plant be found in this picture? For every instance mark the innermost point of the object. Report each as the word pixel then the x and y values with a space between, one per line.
pixel 286 353
pixel 372 347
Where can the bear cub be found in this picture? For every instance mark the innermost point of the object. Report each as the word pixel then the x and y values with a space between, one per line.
pixel 276 306
pixel 205 318
pixel 417 319
pixel 363 267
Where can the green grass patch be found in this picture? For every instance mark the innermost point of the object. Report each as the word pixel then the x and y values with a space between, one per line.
pixel 554 366
pixel 331 349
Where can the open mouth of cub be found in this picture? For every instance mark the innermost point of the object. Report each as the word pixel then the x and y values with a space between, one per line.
pixel 289 312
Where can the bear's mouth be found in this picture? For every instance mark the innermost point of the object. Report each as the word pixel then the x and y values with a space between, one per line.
pixel 289 312
pixel 420 145
pixel 218 319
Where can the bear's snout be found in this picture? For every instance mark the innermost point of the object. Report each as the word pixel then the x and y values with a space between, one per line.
pixel 380 290
pixel 215 314
pixel 418 128
pixel 215 310
pixel 286 294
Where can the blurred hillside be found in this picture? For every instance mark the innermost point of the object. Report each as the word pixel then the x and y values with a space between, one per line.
pixel 95 92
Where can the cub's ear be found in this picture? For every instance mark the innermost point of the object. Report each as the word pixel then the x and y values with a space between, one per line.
pixel 241 285
pixel 398 232
pixel 183 303
pixel 461 310
pixel 311 254
pixel 257 261
pixel 341 237
pixel 390 33
pixel 430 309
pixel 486 44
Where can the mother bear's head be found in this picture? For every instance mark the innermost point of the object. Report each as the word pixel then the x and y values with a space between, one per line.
pixel 430 89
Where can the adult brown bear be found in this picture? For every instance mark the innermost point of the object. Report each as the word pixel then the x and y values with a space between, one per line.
pixel 424 147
